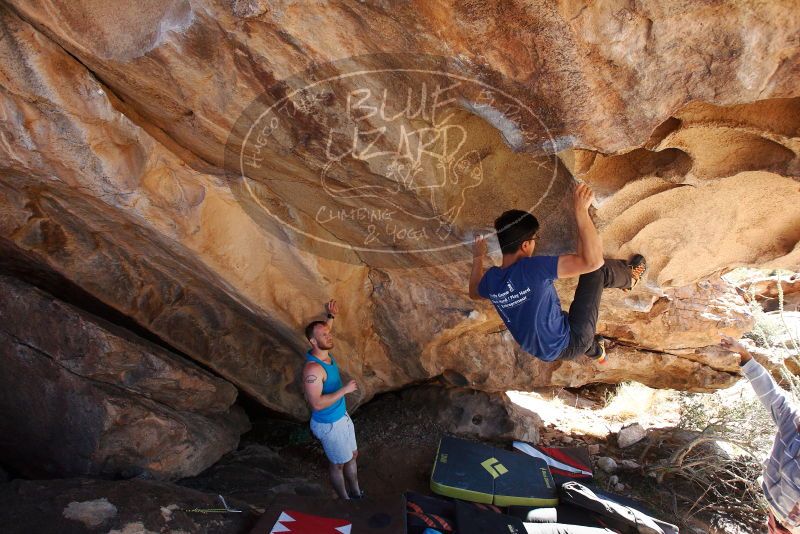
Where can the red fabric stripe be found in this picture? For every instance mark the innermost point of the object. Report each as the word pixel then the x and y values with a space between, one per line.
pixel 568 474
pixel 414 507
pixel 564 458
pixel 425 519
pixel 443 522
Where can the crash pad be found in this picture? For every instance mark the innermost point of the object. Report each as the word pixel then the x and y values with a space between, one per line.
pixel 564 513
pixel 566 463
pixel 426 512
pixel 478 472
pixel 471 520
pixel 294 514
pixel 620 513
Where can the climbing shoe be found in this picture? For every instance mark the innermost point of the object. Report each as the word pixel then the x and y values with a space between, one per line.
pixel 599 353
pixel 637 266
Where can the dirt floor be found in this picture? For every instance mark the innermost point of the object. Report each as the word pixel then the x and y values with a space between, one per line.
pixel 396 451
pixel 397 445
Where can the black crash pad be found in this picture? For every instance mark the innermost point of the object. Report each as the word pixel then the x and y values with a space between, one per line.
pixel 424 511
pixel 618 512
pixel 470 520
pixel 480 473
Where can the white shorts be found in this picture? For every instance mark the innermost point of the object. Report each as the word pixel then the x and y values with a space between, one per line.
pixel 338 439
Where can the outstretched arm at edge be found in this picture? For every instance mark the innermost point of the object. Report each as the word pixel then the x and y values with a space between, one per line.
pixel 774 399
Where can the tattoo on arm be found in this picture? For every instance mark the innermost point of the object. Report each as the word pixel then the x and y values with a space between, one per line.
pixel 310 379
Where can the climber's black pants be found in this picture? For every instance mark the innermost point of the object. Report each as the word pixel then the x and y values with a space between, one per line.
pixel 585 307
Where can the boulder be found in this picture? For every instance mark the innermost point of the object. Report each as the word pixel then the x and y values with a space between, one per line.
pixel 473 414
pixel 83 397
pixel 255 474
pixel 630 435
pixel 607 464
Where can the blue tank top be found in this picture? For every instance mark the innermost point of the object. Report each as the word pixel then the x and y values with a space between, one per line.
pixel 332 383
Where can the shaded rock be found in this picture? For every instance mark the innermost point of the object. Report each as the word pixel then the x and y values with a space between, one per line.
pixel 80 399
pixel 594 449
pixel 630 435
pixel 101 506
pixel 609 465
pixel 255 474
pixel 474 414
pixel 99 351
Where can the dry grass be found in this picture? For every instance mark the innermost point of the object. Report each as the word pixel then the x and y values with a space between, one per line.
pixel 636 402
pixel 630 402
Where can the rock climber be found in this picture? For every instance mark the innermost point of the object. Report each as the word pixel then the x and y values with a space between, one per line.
pixel 330 422
pixel 523 293
pixel 780 480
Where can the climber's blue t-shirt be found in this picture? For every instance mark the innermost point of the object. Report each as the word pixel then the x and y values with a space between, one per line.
pixel 524 296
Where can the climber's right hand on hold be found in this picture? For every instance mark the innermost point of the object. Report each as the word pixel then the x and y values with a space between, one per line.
pixel 583 197
pixel 728 343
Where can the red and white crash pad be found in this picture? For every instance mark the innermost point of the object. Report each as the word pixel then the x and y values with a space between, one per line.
pixel 295 514
pixel 566 463
pixel 294 522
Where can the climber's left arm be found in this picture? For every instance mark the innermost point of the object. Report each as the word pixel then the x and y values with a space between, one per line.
pixel 478 253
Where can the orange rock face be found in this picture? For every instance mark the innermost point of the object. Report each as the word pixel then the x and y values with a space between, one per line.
pixel 141 163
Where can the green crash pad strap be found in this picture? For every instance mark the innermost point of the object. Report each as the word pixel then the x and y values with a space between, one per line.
pixel 459 493
pixel 503 500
